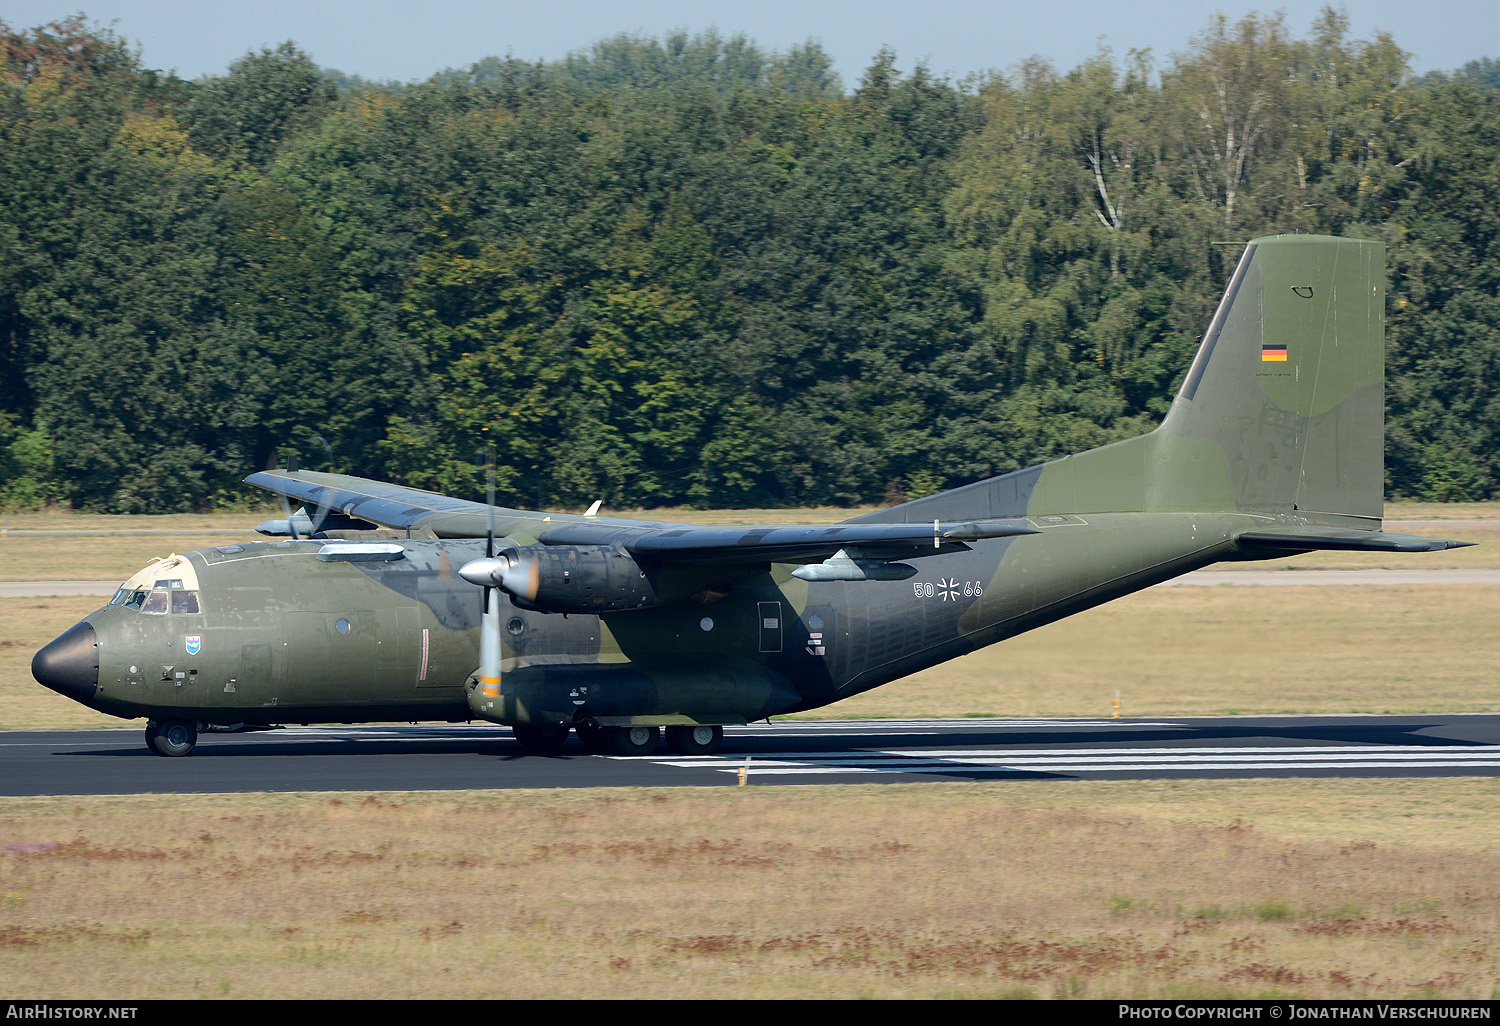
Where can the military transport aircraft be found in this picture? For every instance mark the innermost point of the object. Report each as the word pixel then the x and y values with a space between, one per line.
pixel 614 629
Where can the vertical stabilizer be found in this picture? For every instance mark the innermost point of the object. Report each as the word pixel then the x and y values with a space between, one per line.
pixel 1289 382
pixel 1282 411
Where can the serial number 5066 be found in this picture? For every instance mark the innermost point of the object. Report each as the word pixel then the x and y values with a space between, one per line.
pixel 947 590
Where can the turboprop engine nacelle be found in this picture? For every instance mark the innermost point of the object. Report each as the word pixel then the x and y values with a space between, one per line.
pixel 568 579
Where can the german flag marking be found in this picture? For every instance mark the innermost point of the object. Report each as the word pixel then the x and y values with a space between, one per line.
pixel 1273 354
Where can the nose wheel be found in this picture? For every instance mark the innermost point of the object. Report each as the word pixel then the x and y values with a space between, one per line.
pixel 172 738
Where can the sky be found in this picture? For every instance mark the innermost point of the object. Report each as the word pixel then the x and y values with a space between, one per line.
pixel 406 41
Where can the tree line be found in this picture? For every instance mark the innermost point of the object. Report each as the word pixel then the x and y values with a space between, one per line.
pixel 689 271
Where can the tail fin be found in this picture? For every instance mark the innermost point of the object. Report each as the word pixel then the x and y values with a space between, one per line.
pixel 1289 382
pixel 1282 411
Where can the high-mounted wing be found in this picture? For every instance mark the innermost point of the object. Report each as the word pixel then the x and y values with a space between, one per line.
pixel 405 509
pixel 677 543
pixel 412 509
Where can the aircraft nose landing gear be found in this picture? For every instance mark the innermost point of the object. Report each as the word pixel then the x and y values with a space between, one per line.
pixel 172 738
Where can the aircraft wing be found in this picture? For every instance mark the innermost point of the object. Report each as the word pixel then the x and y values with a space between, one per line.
pixel 719 546
pixel 384 504
pixel 413 509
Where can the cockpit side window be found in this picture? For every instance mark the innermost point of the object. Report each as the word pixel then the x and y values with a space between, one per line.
pixel 184 601
pixel 156 602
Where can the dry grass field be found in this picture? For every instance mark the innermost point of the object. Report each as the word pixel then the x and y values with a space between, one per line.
pixel 1319 889
pixel 1098 889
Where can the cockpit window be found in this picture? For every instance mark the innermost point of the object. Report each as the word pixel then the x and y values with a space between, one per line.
pixel 148 593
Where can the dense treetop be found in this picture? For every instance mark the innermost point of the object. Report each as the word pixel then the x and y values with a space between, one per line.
pixel 685 270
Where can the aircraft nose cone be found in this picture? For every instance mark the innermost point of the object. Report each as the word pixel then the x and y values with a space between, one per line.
pixel 69 664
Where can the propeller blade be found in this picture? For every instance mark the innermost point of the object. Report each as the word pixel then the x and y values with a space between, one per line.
pixel 290 523
pixel 325 501
pixel 489 628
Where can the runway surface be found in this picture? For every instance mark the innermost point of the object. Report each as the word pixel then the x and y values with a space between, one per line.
pixel 786 752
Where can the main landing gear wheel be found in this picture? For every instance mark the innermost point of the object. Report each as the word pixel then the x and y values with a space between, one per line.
pixel 541 737
pixel 695 740
pixel 634 740
pixel 172 738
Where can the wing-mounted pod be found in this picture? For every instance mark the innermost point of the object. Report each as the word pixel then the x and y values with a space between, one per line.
pixel 317 524
pixel 574 579
pixel 854 565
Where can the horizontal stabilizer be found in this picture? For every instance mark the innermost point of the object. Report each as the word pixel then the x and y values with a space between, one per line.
pixel 1310 538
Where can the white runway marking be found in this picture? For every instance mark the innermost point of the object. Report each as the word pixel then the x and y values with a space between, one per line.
pixel 1102 760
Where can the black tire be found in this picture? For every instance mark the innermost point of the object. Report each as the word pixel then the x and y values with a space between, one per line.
pixel 171 738
pixel 539 737
pixel 634 740
pixel 594 738
pixel 695 740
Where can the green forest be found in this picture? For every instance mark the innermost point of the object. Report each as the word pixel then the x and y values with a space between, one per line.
pixel 688 271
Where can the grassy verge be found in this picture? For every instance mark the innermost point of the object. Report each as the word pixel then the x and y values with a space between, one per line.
pixel 1111 889
pixel 1218 651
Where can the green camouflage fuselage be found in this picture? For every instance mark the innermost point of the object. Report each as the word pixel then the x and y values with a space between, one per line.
pixel 282 637
pixel 1273 445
